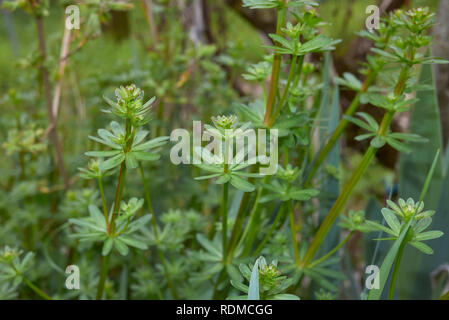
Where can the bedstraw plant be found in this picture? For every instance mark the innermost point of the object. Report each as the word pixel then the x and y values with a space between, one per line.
pixel 141 227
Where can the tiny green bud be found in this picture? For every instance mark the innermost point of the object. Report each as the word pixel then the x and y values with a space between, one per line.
pixel 224 122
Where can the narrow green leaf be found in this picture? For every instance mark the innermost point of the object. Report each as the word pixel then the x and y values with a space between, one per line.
pixel 422 247
pixel 429 235
pixel 146 156
pixel 241 184
pixel 385 268
pixel 107 246
pixel 121 247
pixel 102 153
pixel 253 290
pixel 112 162
pixel 391 220
pixel 208 245
pixel 133 242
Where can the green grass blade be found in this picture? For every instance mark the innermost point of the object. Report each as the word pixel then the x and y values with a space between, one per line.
pixel 253 291
pixel 429 176
pixel 388 262
pixel 330 185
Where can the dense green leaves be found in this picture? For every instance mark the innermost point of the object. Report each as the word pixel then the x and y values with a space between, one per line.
pixel 293 47
pixel 95 228
pixel 378 141
pixel 13 266
pixel 132 152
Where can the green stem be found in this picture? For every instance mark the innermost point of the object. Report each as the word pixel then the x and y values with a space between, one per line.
pixel 117 198
pixel 160 116
pixel 215 219
pixel 275 70
pixel 330 253
pixel 238 223
pixel 167 275
pixel 30 284
pixel 36 289
pixel 299 73
pixel 402 80
pixel 264 91
pixel 293 231
pixel 395 271
pixel 224 218
pixel 111 225
pixel 251 228
pixel 220 276
pixel 345 193
pixel 429 176
pixel 272 228
pixel 340 128
pixel 357 174
pixel 111 230
pixel 146 192
pixel 103 201
pixel 236 230
pixel 286 89
pixel 103 275
pixel 369 80
pixel 333 139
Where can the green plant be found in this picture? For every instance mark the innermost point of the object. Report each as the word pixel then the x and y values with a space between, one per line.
pixel 117 228
pixel 265 282
pixel 415 22
pixel 12 268
pixel 203 230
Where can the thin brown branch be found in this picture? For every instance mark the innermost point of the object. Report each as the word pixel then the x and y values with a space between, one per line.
pixel 47 92
pixel 62 64
pixel 148 11
pixel 78 47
